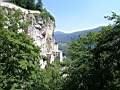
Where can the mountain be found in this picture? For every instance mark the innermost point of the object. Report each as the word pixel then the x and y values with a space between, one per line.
pixel 62 37
pixel 59 33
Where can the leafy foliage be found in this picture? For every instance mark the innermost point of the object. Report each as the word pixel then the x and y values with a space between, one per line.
pixel 46 16
pixel 19 57
pixel 53 79
pixel 28 4
pixel 39 5
pixel 96 60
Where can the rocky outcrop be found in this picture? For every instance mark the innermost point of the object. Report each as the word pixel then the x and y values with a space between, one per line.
pixel 40 32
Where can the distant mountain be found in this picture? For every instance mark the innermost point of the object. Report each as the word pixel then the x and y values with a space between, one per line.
pixel 59 33
pixel 62 37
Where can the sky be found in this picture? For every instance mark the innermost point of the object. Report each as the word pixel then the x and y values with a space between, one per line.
pixel 76 15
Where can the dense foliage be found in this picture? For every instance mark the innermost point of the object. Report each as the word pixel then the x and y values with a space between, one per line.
pixel 96 60
pixel 28 4
pixel 39 5
pixel 19 57
pixel 46 16
pixel 53 76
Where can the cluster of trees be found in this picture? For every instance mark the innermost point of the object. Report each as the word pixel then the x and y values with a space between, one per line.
pixel 29 4
pixel 95 60
pixel 19 58
pixel 33 5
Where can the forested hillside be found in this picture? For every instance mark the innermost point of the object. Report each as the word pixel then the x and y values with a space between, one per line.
pixel 62 37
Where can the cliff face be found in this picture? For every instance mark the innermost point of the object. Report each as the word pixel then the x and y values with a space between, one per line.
pixel 40 32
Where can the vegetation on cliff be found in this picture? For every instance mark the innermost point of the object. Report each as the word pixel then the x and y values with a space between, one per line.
pixel 46 16
pixel 31 5
pixel 94 59
pixel 19 57
pixel 28 4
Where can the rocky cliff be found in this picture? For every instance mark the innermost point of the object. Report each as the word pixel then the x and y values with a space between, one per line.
pixel 41 32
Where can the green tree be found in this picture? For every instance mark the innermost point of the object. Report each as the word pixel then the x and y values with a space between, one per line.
pixel 39 5
pixel 28 4
pixel 78 73
pixel 19 57
pixel 53 79
pixel 96 60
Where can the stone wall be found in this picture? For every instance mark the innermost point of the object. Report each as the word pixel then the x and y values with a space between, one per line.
pixel 40 32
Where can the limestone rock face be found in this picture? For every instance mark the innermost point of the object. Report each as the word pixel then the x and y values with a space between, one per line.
pixel 40 32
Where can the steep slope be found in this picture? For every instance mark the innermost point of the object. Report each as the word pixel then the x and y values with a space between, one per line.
pixel 64 38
